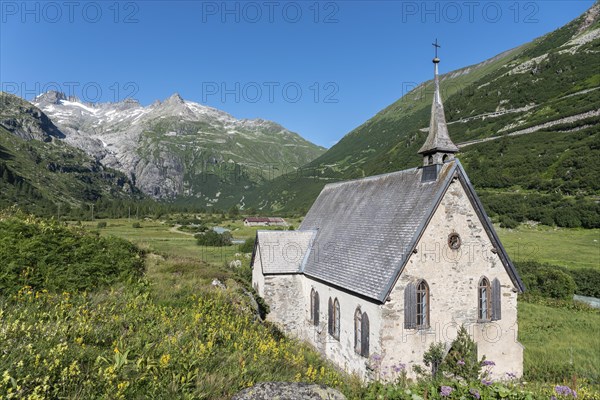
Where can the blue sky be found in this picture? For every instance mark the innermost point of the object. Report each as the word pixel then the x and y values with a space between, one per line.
pixel 318 68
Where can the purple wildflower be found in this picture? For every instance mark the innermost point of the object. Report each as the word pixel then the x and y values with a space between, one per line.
pixel 511 375
pixel 475 393
pixel 487 363
pixel 565 391
pixel 461 362
pixel 445 391
pixel 486 382
pixel 398 368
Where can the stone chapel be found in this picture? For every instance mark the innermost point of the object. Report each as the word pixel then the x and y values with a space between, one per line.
pixel 384 266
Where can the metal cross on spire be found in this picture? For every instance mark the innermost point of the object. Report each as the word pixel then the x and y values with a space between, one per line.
pixel 437 46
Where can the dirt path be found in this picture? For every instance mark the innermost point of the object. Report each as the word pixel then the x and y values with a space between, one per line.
pixel 535 128
pixel 175 229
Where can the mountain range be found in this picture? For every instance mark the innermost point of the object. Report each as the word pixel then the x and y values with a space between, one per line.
pixel 39 170
pixel 177 148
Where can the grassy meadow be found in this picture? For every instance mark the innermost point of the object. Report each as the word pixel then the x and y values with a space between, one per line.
pixel 571 248
pixel 172 334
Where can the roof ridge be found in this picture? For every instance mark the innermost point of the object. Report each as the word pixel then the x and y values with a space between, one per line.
pixel 371 177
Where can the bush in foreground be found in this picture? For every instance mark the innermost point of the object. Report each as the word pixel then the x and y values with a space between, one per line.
pixel 47 255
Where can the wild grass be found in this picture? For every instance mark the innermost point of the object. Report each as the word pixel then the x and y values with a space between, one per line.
pixel 571 248
pixel 560 343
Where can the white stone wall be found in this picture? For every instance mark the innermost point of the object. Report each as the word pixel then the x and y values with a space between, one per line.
pixel 283 294
pixel 453 277
pixel 258 279
pixel 341 351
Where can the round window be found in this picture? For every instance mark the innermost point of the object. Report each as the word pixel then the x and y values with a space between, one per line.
pixel 454 241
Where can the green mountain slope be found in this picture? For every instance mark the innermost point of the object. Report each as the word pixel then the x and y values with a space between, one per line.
pixel 37 171
pixel 527 122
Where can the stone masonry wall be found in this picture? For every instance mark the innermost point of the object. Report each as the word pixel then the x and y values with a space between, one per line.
pixel 453 277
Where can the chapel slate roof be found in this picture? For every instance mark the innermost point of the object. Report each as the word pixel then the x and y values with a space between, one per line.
pixel 368 228
pixel 283 252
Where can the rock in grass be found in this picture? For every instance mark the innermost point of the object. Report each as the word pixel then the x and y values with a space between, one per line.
pixel 288 391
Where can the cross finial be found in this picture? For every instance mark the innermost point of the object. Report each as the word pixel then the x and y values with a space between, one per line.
pixel 437 46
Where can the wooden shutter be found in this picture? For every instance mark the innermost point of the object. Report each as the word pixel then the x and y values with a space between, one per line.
pixel 357 330
pixel 312 305
pixel 316 308
pixel 364 331
pixel 410 306
pixel 496 300
pixel 336 321
pixel 330 321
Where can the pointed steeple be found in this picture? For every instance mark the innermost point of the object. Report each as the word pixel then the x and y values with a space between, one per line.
pixel 438 147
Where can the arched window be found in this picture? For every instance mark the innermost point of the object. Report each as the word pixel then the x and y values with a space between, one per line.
pixel 484 303
pixel 422 305
pixel 314 307
pixel 361 333
pixel 334 318
pixel 489 300
pixel 430 160
pixel 445 158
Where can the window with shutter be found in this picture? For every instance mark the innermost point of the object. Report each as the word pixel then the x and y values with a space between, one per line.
pixel 484 300
pixel 496 300
pixel 410 306
pixel 357 330
pixel 364 330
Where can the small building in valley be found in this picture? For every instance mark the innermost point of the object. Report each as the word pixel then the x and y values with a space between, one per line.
pixel 264 221
pixel 388 265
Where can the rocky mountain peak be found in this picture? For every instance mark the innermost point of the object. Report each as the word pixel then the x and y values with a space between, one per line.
pixel 25 120
pixel 127 104
pixel 174 99
pixel 50 97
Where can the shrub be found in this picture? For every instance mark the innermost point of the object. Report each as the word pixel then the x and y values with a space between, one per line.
pixel 546 280
pixel 461 360
pixel 587 281
pixel 212 238
pixel 101 225
pixel 567 218
pixel 248 246
pixel 46 255
pixel 433 357
pixel 508 222
pixel 136 225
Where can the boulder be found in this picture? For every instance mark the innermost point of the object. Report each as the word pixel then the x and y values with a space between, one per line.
pixel 288 391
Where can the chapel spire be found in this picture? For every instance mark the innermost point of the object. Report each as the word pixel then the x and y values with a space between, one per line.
pixel 438 147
